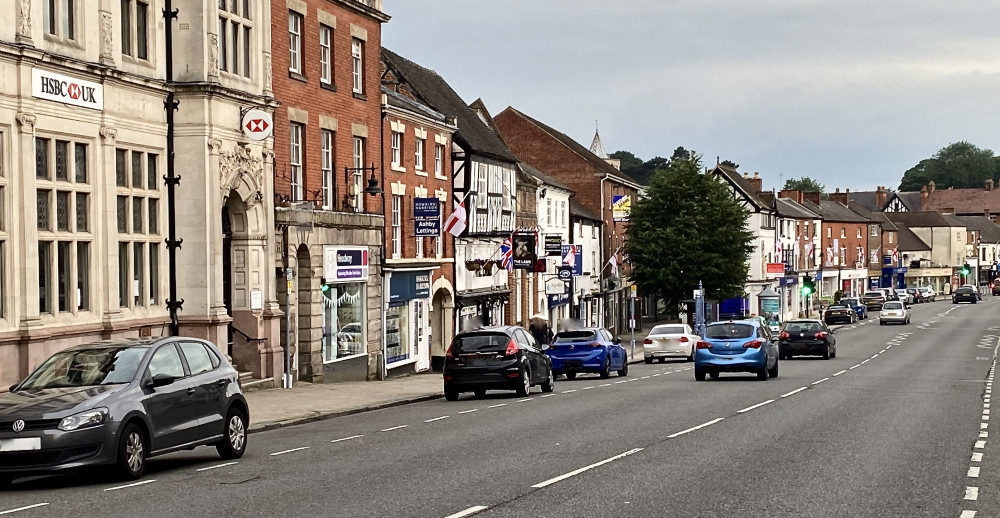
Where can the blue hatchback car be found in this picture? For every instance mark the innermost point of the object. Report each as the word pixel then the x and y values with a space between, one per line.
pixel 593 350
pixel 736 346
pixel 857 305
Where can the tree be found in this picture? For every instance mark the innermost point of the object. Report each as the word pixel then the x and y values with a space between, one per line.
pixel 804 184
pixel 730 164
pixel 961 165
pixel 687 229
pixel 636 168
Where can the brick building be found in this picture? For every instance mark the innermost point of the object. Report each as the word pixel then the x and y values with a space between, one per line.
pixel 328 152
pixel 844 246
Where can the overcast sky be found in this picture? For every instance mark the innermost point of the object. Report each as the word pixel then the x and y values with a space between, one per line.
pixel 850 92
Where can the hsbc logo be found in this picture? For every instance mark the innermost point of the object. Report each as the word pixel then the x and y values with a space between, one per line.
pixel 257 124
pixel 64 89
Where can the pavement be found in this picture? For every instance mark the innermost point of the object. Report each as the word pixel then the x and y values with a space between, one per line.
pixel 307 402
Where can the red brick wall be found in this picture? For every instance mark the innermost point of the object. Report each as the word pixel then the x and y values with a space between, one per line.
pixel 851 241
pixel 308 95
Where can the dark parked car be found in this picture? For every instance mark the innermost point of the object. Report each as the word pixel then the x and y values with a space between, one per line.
pixel 593 350
pixel 873 300
pixel 496 358
pixel 859 307
pixel 918 296
pixel 995 287
pixel 839 312
pixel 118 403
pixel 964 294
pixel 806 337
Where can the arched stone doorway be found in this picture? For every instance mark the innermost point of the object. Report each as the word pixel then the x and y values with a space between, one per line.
pixel 442 317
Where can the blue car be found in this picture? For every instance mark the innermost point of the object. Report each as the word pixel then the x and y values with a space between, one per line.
pixel 736 346
pixel 857 305
pixel 592 350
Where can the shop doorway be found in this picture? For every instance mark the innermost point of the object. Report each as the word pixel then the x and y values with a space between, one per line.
pixel 421 347
pixel 438 318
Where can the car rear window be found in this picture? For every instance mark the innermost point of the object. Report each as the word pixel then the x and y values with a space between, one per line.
pixel 799 327
pixel 873 294
pixel 481 342
pixel 667 330
pixel 576 336
pixel 850 302
pixel 893 305
pixel 729 331
pixel 965 290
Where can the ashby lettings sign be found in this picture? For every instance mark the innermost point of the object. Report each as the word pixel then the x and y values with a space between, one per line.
pixel 65 89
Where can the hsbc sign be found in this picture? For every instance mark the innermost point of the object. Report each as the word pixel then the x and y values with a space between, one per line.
pixel 65 89
pixel 257 124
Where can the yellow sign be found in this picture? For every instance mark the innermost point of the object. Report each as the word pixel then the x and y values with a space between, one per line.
pixel 621 207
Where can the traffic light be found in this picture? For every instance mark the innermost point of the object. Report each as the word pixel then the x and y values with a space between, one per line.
pixel 808 285
pixel 966 269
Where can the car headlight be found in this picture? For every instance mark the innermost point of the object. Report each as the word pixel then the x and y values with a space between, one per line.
pixel 86 419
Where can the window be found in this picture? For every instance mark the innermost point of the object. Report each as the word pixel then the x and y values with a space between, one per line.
pixel 418 154
pixel 59 18
pixel 137 205
pixel 843 232
pixel 397 229
pixel 859 232
pixel 325 55
pixel 198 358
pixel 295 158
pixel 294 42
pixel 166 361
pixel 548 211
pixel 439 241
pixel 344 315
pixel 874 231
pixel 562 214
pixel 890 237
pixel 593 232
pixel 829 232
pixel 135 29
pixel 358 63
pixel 397 148
pixel 358 178
pixel 326 153
pixel 420 247
pixel 438 160
pixel 235 30
pixel 63 221
pixel 580 228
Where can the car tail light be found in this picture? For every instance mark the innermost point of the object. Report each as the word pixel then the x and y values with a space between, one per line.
pixel 511 348
pixel 596 344
pixel 703 344
pixel 647 341
pixel 684 339
pixel 821 335
pixel 449 353
pixel 784 335
pixel 752 344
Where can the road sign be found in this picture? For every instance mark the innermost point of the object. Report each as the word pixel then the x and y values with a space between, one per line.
pixel 257 124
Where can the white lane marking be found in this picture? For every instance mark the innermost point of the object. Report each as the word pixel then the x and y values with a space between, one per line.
pixel 855 367
pixel 468 512
pixel 645 377
pixel 972 493
pixel 983 426
pixel 758 405
pixel 569 391
pixel 469 411
pixel 820 381
pixel 548 395
pixel 977 457
pixel 980 445
pixel 400 427
pixel 617 382
pixel 275 454
pixel 873 357
pixel 864 362
pixel 218 466
pixel 986 405
pixel 984 435
pixel 973 472
pixel 347 438
pixel 576 472
pixel 882 351
pixel 436 419
pixel 140 483
pixel 605 385
pixel 839 373
pixel 796 391
pixel 657 375
pixel 525 399
pixel 968 514
pixel 25 508
pixel 497 406
pixel 588 388
pixel 693 428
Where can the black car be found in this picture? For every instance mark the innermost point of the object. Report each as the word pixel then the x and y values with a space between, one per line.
pixel 995 287
pixel 806 338
pixel 964 294
pixel 839 313
pixel 118 403
pixel 496 358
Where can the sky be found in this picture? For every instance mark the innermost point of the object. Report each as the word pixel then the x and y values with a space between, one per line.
pixel 849 92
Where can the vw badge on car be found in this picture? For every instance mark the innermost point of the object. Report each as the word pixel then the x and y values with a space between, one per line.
pixel 18 426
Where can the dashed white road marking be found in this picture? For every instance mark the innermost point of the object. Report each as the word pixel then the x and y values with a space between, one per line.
pixel 968 514
pixel 973 472
pixel 972 493
pixel 839 373
pixel 758 405
pixel 604 385
pixel 547 395
pixel 525 399
pixel 645 377
pixel 140 483
pixel 983 426
pixel 977 457
pixel 980 445
pixel 984 435
pixel 468 512
pixel 275 454
pixel 588 388
pixel 657 375
pixel 693 428
pixel 855 367
pixel 623 381
pixel 569 391
pixel 873 357
pixel 400 427
pixel 796 391
pixel 576 472
pixel 819 381
pixel 218 466
pixel 25 508
pixel 497 406
pixel 436 419
pixel 348 438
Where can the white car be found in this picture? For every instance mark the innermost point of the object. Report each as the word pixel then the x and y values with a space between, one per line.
pixel 904 296
pixel 670 341
pixel 894 312
pixel 929 294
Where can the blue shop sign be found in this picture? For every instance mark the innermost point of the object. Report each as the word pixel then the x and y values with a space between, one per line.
pixel 558 300
pixel 819 275
pixel 426 208
pixel 404 286
pixel 788 281
pixel 427 227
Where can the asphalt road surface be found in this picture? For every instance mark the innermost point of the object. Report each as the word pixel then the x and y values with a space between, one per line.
pixel 896 425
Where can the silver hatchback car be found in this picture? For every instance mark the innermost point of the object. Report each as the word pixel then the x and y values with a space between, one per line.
pixel 118 403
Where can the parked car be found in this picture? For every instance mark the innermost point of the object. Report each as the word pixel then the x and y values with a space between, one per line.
pixel 496 358
pixel 890 294
pixel 928 293
pixel 593 350
pixel 995 287
pixel 859 307
pixel 979 296
pixel 904 296
pixel 670 341
pixel 965 294
pixel 736 346
pixel 118 403
pixel 803 337
pixel 894 312
pixel 839 312
pixel 873 300
pixel 916 295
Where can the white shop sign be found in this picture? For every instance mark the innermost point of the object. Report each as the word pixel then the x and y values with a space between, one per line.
pixel 65 89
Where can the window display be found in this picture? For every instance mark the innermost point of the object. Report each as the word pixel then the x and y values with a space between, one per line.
pixel 397 343
pixel 343 321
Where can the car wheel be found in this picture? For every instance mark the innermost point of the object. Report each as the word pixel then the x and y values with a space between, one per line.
pixel 714 375
pixel 699 375
pixel 234 438
pixel 131 462
pixel 833 353
pixel 479 393
pixel 451 394
pixel 525 387
pixel 5 481
pixel 826 353
pixel 624 372
pixel 648 361
pixel 762 374
pixel 774 371
pixel 549 384
pixel 571 375
pixel 606 371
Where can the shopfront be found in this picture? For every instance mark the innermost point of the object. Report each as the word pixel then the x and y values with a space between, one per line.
pixel 345 272
pixel 407 334
pixel 481 309
pixel 558 310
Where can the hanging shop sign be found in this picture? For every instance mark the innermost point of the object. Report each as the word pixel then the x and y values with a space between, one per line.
pixel 345 263
pixel 621 207
pixel 426 217
pixel 524 254
pixel 65 89
pixel 257 124
pixel 572 255
pixel 555 287
pixel 558 300
pixel 404 286
pixel 553 244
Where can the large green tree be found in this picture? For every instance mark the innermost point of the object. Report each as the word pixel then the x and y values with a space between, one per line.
pixel 961 165
pixel 687 229
pixel 638 169
pixel 804 184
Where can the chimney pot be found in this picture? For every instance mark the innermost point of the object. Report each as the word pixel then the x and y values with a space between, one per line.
pixel 756 175
pixel 989 184
pixel 931 187
pixel 746 176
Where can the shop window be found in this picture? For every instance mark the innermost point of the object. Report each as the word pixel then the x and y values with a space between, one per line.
pixel 137 206
pixel 343 321
pixel 397 343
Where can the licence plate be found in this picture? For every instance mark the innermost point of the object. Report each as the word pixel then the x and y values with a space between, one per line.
pixel 21 444
pixel 572 364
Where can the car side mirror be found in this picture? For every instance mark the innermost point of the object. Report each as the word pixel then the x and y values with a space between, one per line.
pixel 545 347
pixel 161 380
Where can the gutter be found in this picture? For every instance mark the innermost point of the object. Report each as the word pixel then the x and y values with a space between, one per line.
pixel 171 179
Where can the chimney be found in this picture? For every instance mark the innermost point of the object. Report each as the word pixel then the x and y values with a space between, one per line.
pixel 811 196
pixel 791 194
pixel 839 197
pixel 930 187
pixel 746 176
pixel 989 185
pixel 881 196
pixel 756 183
pixel 924 193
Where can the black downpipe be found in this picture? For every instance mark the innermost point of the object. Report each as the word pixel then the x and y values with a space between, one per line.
pixel 172 180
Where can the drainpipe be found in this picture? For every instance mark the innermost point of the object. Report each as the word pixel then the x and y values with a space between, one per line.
pixel 171 179
pixel 384 303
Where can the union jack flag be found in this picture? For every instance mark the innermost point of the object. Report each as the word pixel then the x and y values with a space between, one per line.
pixel 506 249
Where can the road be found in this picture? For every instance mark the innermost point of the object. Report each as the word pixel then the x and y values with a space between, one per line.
pixel 896 425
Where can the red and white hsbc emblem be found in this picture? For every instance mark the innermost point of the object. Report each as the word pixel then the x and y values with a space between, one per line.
pixel 257 124
pixel 65 89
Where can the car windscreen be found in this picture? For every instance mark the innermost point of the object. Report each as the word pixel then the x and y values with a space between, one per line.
pixel 838 306
pixel 86 367
pixel 803 327
pixel 893 305
pixel 667 330
pixel 567 337
pixel 729 331
pixel 480 342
